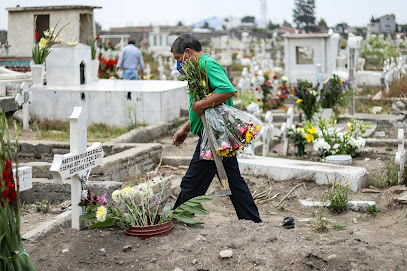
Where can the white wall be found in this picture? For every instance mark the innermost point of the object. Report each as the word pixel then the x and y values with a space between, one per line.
pixel 21 35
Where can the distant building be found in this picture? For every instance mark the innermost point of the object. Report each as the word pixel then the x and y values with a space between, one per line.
pixel 384 24
pixel 21 29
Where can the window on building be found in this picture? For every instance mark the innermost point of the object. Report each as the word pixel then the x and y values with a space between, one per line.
pixel 387 26
pixel 85 28
pixel 41 24
pixel 304 55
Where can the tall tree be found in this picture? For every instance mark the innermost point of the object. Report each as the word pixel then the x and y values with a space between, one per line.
pixel 304 14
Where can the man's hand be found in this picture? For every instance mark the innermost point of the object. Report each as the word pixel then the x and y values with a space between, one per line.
pixel 179 137
pixel 197 108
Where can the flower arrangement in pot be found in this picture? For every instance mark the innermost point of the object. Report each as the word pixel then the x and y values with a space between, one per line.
pixel 301 137
pixel 138 210
pixel 307 98
pixel 335 93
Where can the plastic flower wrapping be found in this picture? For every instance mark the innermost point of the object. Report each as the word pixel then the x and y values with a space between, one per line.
pixel 231 130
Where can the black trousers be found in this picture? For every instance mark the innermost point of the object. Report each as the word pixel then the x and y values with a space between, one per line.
pixel 200 175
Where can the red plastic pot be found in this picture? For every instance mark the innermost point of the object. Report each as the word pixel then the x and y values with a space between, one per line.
pixel 144 232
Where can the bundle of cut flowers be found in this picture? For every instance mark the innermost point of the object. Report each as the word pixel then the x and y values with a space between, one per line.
pixel 12 254
pixel 230 129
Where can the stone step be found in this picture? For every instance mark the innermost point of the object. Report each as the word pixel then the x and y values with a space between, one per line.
pixel 278 169
pixel 8 103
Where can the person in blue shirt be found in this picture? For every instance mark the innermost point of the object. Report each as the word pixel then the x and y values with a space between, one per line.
pixel 130 59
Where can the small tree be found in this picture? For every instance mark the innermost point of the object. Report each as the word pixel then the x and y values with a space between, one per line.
pixel 272 26
pixel 249 19
pixel 304 14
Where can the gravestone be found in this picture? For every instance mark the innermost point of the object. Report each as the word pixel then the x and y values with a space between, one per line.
pixel 244 82
pixel 78 163
pixel 400 158
pixel 248 151
pixel 24 99
pixel 148 70
pixel 24 178
pixel 267 133
pixel 285 127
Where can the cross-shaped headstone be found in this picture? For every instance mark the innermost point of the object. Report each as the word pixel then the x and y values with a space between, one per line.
pixel 24 99
pixel 6 46
pixel 285 127
pixel 400 158
pixel 78 163
pixel 319 79
pixel 267 133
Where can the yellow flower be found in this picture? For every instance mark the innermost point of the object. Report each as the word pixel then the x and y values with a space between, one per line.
pixel 349 125
pixel 43 43
pixel 299 101
pixel 330 125
pixel 336 184
pixel 101 213
pixel 346 133
pixel 340 81
pixel 312 130
pixel 222 152
pixel 249 135
pixel 309 138
pixel 258 127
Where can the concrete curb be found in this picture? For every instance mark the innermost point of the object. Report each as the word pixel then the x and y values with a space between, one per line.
pixel 49 226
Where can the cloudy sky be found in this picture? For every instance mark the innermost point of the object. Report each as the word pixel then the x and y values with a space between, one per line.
pixel 143 12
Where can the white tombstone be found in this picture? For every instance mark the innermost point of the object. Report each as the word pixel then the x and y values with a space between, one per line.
pixel 24 178
pixel 400 158
pixel 78 163
pixel 244 82
pixel 248 152
pixel 285 127
pixel 24 99
pixel 147 70
pixel 266 133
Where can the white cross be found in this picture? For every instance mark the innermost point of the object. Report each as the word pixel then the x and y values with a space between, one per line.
pixel 400 158
pixel 24 99
pixel 285 127
pixel 266 133
pixel 78 163
pixel 24 178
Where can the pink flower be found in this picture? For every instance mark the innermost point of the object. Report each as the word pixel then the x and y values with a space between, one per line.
pixel 202 154
pixel 208 155
pixel 235 146
pixel 227 111
pixel 225 145
pixel 156 202
pixel 103 200
pixel 242 131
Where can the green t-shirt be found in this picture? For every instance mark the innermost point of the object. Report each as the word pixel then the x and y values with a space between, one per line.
pixel 218 82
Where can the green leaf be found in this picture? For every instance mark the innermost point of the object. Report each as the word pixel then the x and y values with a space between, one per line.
pixel 107 223
pixel 188 220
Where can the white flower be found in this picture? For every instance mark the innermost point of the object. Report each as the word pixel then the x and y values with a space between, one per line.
pixel 117 195
pixel 145 191
pixel 336 146
pixel 47 33
pixel 313 92
pixel 320 145
pixel 72 43
pixel 128 192
pixel 340 136
pixel 101 213
pixel 284 78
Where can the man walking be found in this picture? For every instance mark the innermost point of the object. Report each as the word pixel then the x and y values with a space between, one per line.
pixel 130 59
pixel 201 172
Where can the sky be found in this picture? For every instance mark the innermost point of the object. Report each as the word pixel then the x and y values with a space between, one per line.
pixel 116 13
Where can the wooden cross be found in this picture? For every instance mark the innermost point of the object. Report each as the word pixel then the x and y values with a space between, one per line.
pixel 78 163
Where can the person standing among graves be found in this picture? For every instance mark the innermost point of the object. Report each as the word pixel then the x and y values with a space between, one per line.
pixel 130 59
pixel 201 172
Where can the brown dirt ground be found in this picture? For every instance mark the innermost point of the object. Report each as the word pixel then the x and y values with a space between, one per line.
pixel 365 243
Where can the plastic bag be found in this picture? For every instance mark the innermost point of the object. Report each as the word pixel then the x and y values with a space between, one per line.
pixel 230 130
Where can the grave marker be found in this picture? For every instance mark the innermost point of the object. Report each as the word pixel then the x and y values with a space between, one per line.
pixel 285 127
pixel 267 133
pixel 400 158
pixel 24 99
pixel 24 178
pixel 78 163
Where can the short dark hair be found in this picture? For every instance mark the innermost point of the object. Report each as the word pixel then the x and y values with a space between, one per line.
pixel 132 42
pixel 186 41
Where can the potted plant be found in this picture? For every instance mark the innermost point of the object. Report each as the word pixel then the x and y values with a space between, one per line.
pixel 300 137
pixel 95 61
pixel 335 93
pixel 12 254
pixel 137 210
pixel 42 49
pixel 307 98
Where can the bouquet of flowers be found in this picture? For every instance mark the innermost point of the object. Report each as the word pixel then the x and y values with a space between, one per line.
pixel 139 206
pixel 330 141
pixel 42 49
pixel 307 98
pixel 230 128
pixel 335 92
pixel 12 254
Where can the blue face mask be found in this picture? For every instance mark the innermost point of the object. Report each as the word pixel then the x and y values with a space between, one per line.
pixel 179 63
